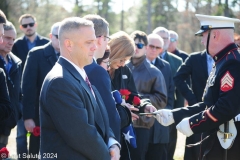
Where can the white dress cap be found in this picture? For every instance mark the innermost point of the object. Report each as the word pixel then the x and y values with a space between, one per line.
pixel 210 22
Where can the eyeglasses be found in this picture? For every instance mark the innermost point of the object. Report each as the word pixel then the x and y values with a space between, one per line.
pixel 154 47
pixel 173 39
pixel 29 24
pixel 55 35
pixel 106 37
pixel 139 45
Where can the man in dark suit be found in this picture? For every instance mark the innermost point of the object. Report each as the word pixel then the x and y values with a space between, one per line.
pixel 13 71
pixel 22 45
pixel 193 94
pixel 39 62
pixel 5 106
pixel 175 62
pixel 28 25
pixel 99 76
pixel 71 109
pixel 159 135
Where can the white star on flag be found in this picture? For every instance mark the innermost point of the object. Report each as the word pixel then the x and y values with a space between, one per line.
pixel 128 136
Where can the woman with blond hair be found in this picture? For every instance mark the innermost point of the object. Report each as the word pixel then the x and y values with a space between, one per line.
pixel 122 48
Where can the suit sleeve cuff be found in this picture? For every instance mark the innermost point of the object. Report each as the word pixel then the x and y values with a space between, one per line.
pixel 112 141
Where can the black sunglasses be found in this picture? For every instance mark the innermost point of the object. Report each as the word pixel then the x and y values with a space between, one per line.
pixel 139 45
pixel 55 35
pixel 29 24
pixel 152 47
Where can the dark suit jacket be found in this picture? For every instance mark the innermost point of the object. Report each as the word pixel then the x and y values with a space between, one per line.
pixel 160 133
pixel 101 80
pixel 20 47
pixel 14 88
pixel 5 104
pixel 195 67
pixel 73 123
pixel 175 62
pixel 39 62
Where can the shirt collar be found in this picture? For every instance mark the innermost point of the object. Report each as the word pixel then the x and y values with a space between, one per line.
pixel 80 71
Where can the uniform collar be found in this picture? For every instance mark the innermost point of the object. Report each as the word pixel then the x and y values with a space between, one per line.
pixel 224 52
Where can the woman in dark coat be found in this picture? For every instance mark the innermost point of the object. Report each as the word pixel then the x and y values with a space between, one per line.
pixel 122 48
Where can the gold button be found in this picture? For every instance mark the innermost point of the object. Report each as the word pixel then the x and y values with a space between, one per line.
pixel 196 119
pixel 215 57
pixel 191 123
pixel 229 52
pixel 203 117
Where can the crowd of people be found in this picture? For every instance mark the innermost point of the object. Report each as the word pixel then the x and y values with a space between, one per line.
pixel 98 96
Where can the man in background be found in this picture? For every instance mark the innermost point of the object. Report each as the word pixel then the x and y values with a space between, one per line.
pixel 28 25
pixel 5 106
pixel 173 46
pixel 175 62
pixel 150 84
pixel 159 134
pixel 11 65
pixel 99 76
pixel 39 62
pixel 21 47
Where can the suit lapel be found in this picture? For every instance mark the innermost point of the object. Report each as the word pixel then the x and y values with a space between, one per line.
pixel 158 63
pixel 97 112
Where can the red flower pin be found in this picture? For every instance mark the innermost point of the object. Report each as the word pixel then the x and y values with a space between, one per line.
pixel 125 93
pixel 4 153
pixel 136 101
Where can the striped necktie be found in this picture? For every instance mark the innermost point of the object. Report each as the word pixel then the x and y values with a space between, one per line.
pixel 90 86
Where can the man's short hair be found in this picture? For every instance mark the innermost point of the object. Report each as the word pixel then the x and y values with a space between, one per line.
pixel 100 24
pixel 9 26
pixel 141 36
pixel 72 24
pixel 26 16
pixel 155 36
pixel 160 29
pixel 171 32
pixel 54 27
pixel 3 18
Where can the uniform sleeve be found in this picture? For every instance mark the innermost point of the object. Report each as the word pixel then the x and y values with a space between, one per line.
pixel 226 106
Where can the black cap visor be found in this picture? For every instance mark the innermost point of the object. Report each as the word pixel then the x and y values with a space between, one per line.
pixel 203 29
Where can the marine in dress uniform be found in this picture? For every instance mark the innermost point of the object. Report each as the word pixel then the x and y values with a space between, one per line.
pixel 221 98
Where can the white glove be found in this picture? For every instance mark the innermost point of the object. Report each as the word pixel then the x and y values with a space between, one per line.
pixel 184 127
pixel 164 117
pixel 237 118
